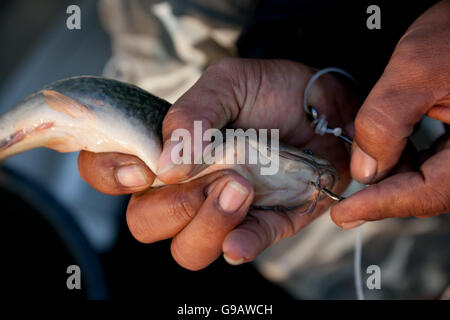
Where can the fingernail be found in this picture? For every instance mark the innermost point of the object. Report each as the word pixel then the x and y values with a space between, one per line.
pixel 364 167
pixel 233 262
pixel 232 196
pixel 352 224
pixel 131 176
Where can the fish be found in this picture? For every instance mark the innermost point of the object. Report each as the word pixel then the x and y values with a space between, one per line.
pixel 105 115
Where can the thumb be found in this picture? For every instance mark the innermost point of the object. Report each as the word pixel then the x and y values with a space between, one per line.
pixel 210 103
pixel 114 173
pixel 415 82
pixel 421 194
pixel 401 97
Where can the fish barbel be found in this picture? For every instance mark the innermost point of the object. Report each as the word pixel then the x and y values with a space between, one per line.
pixel 104 115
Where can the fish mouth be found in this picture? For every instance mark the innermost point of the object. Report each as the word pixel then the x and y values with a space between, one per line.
pixel 319 188
pixel 327 175
pixel 324 185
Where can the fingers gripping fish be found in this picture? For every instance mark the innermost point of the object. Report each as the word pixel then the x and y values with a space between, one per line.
pixel 104 115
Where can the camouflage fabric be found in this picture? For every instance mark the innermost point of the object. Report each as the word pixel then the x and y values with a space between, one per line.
pixel 163 46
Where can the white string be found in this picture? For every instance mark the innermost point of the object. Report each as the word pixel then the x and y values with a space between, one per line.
pixel 357 264
pixel 320 123
pixel 321 127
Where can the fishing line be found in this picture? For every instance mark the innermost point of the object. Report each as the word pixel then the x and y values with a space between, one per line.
pixel 320 125
pixel 319 122
pixel 357 264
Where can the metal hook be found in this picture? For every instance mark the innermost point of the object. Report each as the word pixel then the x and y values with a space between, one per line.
pixel 332 195
pixel 346 138
pixel 320 123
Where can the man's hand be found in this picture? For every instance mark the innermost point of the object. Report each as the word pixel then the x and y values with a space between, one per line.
pixel 416 82
pixel 209 216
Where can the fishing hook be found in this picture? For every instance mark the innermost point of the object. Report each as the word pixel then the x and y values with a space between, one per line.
pixel 320 123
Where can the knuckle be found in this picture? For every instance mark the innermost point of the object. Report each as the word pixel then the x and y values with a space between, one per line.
pixel 181 208
pixel 173 113
pixel 370 123
pixel 222 72
pixel 224 78
pixel 422 208
pixel 224 65
pixel 291 226
pixel 437 202
pixel 174 119
pixel 376 124
pixel 267 233
pixel 436 194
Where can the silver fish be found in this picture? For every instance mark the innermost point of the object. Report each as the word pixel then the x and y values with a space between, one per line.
pixel 104 115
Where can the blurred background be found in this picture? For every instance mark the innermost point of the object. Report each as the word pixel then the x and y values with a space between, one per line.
pixel 54 219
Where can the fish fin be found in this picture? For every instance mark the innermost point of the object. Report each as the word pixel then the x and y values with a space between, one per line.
pixel 67 105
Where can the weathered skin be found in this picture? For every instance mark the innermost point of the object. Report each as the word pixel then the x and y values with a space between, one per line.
pixel 103 115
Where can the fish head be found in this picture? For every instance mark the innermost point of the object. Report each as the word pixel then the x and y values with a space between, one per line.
pixel 298 182
pixel 282 176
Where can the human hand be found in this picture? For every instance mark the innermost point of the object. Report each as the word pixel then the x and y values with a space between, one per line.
pixel 210 215
pixel 416 82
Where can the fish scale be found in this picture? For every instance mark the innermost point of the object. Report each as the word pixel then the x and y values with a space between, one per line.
pixel 138 103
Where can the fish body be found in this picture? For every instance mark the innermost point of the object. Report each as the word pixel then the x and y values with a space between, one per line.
pixel 105 115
